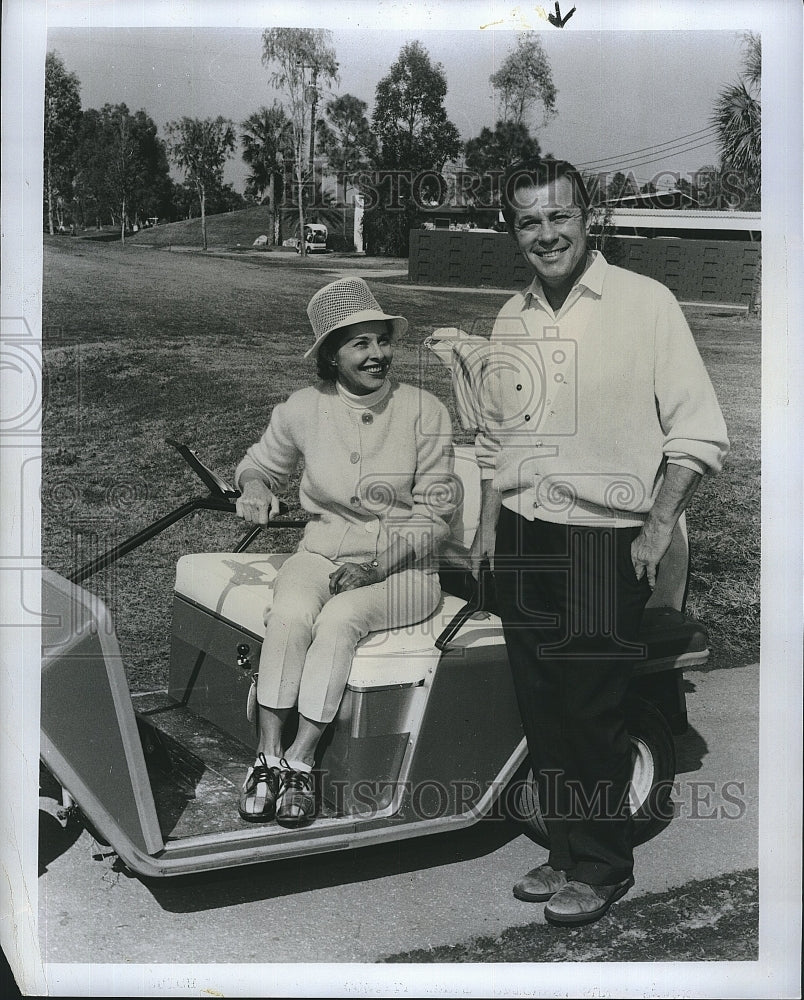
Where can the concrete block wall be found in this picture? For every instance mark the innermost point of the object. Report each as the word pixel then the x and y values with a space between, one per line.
pixel 702 270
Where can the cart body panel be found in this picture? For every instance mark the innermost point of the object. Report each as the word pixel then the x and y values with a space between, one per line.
pixel 90 739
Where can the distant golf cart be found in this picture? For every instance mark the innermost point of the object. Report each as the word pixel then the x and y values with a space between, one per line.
pixel 315 239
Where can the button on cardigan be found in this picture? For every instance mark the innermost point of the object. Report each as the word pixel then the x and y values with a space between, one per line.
pixel 370 473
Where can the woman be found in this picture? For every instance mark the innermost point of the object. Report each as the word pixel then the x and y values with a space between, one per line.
pixel 378 485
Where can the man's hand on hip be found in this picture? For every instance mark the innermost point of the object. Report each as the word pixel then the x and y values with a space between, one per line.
pixel 482 546
pixel 648 549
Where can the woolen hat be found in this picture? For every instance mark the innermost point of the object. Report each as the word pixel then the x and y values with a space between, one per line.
pixel 342 303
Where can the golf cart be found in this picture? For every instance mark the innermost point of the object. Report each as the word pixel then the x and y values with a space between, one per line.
pixel 427 738
pixel 315 238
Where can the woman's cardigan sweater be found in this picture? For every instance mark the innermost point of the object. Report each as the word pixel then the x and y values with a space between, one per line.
pixel 371 473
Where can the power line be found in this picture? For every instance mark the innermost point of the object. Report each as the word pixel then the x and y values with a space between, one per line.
pixel 645 149
pixel 656 159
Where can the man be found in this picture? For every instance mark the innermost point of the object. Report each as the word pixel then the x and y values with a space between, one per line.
pixel 600 421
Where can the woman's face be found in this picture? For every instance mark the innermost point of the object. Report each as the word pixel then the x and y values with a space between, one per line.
pixel 363 356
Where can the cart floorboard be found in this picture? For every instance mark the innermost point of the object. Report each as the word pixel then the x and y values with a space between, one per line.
pixel 195 769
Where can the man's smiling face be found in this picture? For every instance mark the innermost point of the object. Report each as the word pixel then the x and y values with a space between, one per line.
pixel 551 230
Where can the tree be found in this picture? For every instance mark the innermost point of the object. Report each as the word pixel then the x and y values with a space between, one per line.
pixel 719 189
pixel 688 188
pixel 492 151
pixel 346 138
pixel 121 167
pixel 409 116
pixel 266 139
pixel 224 198
pixel 90 179
pixel 322 64
pixel 152 189
pixel 299 57
pixel 737 118
pixel 122 160
pixel 416 139
pixel 201 148
pixel 524 81
pixel 61 123
pixel 621 186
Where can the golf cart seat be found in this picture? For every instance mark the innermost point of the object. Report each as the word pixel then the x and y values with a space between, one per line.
pixel 237 588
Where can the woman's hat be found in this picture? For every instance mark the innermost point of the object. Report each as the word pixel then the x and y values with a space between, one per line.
pixel 342 303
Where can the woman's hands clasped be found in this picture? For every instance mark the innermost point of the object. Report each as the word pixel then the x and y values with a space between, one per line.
pixel 351 576
pixel 257 504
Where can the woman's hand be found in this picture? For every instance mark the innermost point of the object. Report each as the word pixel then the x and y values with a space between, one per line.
pixel 350 576
pixel 256 504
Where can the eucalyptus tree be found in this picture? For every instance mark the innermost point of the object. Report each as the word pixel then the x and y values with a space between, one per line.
pixel 299 60
pixel 201 147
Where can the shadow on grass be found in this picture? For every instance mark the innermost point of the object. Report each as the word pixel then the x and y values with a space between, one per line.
pixel 708 921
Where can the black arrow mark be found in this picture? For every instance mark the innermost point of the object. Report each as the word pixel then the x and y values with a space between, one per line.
pixel 556 19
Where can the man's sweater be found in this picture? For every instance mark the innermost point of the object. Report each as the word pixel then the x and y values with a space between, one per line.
pixel 371 472
pixel 584 407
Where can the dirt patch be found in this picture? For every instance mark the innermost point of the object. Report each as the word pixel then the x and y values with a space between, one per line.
pixel 715 920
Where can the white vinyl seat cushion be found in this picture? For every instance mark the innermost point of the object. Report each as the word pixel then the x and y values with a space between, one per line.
pixel 238 587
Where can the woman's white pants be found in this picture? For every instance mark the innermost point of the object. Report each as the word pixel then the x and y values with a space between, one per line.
pixel 311 635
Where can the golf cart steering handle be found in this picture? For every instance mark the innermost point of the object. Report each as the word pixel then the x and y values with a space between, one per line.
pixel 219 489
pixel 221 496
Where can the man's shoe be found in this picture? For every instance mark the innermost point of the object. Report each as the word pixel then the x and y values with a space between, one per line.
pixel 580 903
pixel 540 884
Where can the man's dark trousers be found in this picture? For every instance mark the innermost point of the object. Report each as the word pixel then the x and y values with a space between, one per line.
pixel 571 608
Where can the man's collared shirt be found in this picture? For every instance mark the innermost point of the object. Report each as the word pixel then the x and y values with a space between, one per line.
pixel 583 406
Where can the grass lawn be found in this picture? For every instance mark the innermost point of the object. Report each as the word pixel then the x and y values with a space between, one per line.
pixel 142 344
pixel 224 229
pixel 237 229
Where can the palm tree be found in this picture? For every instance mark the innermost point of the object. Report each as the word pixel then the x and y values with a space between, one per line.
pixel 738 120
pixel 266 143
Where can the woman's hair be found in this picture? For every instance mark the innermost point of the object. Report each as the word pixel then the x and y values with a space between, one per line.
pixel 325 357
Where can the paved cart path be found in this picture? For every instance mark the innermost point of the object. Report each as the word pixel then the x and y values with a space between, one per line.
pixel 360 906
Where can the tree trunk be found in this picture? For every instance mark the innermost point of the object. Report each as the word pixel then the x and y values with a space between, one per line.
pixel 50 198
pixel 123 221
pixel 203 218
pixel 300 186
pixel 313 110
pixel 272 203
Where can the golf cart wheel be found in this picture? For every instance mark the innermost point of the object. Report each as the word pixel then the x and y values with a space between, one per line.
pixel 652 775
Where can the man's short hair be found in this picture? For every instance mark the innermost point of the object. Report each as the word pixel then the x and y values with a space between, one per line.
pixel 537 172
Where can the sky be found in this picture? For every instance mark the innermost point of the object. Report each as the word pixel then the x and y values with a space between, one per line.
pixel 619 92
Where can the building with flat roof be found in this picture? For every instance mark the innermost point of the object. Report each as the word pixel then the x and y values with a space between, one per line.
pixel 688 223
